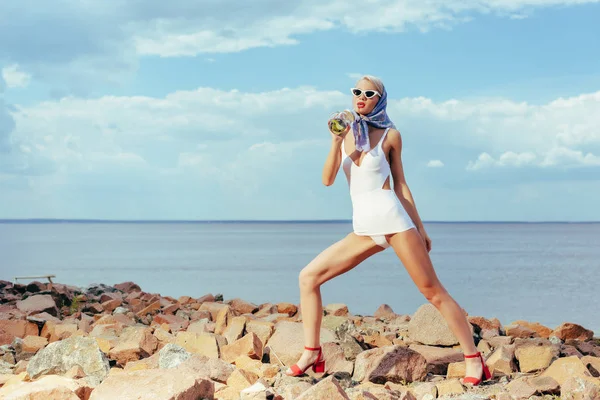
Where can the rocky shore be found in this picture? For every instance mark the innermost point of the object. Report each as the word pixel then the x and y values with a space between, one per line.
pixel 119 342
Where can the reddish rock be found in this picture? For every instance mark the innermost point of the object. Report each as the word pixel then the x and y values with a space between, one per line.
pixel 438 358
pixel 151 309
pixel 175 323
pixel 242 307
pixel 38 304
pixel 486 328
pixel 213 308
pixel 519 331
pixel 134 343
pixel 172 309
pixel 568 331
pixel 111 305
pixel 9 330
pixel 337 309
pixel 109 296
pixel 250 345
pixel 329 388
pixel 541 330
pixel 287 308
pixel 168 384
pixel 128 287
pixel 93 308
pixel 206 298
pixel 384 312
pixel 393 363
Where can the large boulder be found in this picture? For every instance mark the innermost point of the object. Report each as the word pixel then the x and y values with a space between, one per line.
pixel 60 357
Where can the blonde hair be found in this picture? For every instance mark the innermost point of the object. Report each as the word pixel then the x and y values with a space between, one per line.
pixel 374 80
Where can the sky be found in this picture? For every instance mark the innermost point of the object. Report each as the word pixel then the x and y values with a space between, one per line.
pixel 217 109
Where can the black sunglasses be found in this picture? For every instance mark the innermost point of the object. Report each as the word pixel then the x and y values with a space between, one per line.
pixel 368 93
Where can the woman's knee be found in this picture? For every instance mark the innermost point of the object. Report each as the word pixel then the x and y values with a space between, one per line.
pixel 434 293
pixel 307 280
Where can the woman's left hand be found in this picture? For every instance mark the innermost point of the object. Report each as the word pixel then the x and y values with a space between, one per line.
pixel 426 239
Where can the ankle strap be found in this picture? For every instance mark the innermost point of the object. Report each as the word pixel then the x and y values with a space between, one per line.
pixel 312 348
pixel 478 354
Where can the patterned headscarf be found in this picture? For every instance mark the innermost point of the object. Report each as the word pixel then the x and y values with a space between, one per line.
pixel 377 118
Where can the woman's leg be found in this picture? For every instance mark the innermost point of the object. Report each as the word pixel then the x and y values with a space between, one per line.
pixel 337 259
pixel 414 256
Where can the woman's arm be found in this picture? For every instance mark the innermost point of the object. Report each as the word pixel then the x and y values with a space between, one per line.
pixel 401 187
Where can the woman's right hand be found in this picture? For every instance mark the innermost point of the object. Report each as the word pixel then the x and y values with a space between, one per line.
pixel 338 137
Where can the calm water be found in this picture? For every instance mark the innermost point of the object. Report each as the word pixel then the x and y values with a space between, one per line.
pixel 538 272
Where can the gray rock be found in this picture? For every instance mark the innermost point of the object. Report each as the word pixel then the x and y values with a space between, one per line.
pixel 428 326
pixel 171 356
pixel 120 310
pixel 6 368
pixel 59 357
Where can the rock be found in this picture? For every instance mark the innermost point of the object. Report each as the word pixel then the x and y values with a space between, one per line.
pixel 249 345
pixel 224 316
pixel 425 389
pixel 240 379
pixel 171 356
pixel 133 344
pixel 520 331
pixel 201 326
pixel 214 368
pixel 335 360
pixel 502 361
pixel 577 388
pixel 174 322
pixel 235 329
pixel 59 357
pixel 111 305
pixel 149 310
pixel 337 309
pixel 120 310
pixel 240 306
pixel 198 343
pixel 27 347
pixel 349 344
pixel 393 363
pixel 535 355
pixel 293 388
pixel 167 384
pixel 384 312
pixel 6 368
pixel 568 351
pixel 498 341
pixel 449 387
pixel 568 331
pixel 48 387
pixel 438 358
pixel 484 327
pixel 541 330
pixel 288 341
pixel 38 304
pixel 592 364
pixel 456 370
pixel 11 329
pixel 213 308
pixel 287 308
pixel 564 368
pixel 428 327
pixel 520 389
pixel 329 388
pixel 544 385
pixel 128 287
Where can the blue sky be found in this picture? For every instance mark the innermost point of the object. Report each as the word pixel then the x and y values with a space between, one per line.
pixel 218 109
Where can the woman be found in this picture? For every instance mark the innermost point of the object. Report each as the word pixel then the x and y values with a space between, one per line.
pixel 382 217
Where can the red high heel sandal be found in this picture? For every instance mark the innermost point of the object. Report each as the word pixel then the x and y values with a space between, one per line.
pixel 485 373
pixel 318 366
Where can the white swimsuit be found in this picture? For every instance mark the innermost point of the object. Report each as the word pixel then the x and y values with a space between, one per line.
pixel 376 212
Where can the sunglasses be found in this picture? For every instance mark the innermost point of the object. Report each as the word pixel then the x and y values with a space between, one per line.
pixel 369 94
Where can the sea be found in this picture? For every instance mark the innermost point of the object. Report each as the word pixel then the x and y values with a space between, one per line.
pixel 538 272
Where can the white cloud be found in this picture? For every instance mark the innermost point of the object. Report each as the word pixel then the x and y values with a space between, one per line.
pixel 435 164
pixel 14 77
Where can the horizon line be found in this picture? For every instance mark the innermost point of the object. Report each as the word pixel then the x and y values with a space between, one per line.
pixel 97 220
